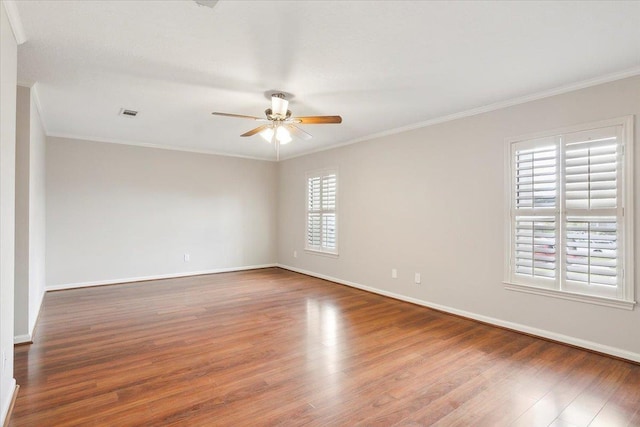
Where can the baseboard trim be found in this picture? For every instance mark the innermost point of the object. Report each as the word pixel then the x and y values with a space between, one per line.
pixel 23 339
pixel 155 277
pixel 540 333
pixel 7 408
pixel 32 328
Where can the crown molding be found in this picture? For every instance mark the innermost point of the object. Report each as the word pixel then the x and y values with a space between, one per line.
pixel 151 145
pixel 14 20
pixel 631 72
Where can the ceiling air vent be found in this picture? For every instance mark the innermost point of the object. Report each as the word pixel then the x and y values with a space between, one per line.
pixel 128 113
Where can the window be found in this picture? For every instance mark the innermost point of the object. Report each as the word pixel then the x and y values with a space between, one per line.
pixel 570 213
pixel 322 233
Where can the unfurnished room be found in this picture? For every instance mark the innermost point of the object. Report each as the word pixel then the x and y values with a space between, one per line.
pixel 319 213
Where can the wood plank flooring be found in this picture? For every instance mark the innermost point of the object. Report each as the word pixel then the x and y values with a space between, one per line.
pixel 273 347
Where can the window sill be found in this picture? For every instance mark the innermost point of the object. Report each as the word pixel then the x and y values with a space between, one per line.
pixel 321 253
pixel 590 299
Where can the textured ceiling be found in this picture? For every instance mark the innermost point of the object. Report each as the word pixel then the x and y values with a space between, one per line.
pixel 381 65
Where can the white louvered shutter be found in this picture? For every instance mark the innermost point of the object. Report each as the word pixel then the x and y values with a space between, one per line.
pixel 592 194
pixel 569 192
pixel 321 211
pixel 535 246
pixel 314 212
pixel 534 216
pixel 329 183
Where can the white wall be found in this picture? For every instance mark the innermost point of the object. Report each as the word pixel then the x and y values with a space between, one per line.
pixel 37 210
pixel 117 213
pixel 30 215
pixel 21 288
pixel 431 200
pixel 8 69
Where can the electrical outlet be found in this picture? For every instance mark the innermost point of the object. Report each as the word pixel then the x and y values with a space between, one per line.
pixel 394 273
pixel 417 278
pixel 295 254
pixel 187 257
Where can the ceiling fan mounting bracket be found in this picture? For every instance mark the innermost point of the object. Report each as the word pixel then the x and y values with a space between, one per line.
pixel 278 93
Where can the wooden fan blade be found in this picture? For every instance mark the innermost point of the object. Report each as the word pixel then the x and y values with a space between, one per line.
pixel 296 131
pixel 239 116
pixel 256 130
pixel 317 120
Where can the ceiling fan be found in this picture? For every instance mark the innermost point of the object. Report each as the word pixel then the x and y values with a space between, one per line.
pixel 279 124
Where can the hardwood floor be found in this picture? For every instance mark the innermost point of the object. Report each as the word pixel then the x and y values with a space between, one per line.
pixel 273 347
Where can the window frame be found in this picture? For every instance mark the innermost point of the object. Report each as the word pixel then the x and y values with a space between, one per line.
pixel 558 287
pixel 320 250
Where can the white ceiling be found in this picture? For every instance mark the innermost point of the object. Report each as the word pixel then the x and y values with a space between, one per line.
pixel 380 65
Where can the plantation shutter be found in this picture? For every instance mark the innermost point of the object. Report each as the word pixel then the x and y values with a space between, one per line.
pixel 592 250
pixel 592 194
pixel 536 177
pixel 568 228
pixel 536 246
pixel 321 212
pixel 329 211
pixel 314 215
pixel 534 216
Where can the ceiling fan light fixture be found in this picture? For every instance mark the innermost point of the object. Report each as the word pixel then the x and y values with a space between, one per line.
pixel 267 134
pixel 279 105
pixel 282 135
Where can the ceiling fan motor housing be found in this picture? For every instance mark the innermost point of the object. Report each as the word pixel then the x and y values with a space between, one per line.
pixel 276 117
